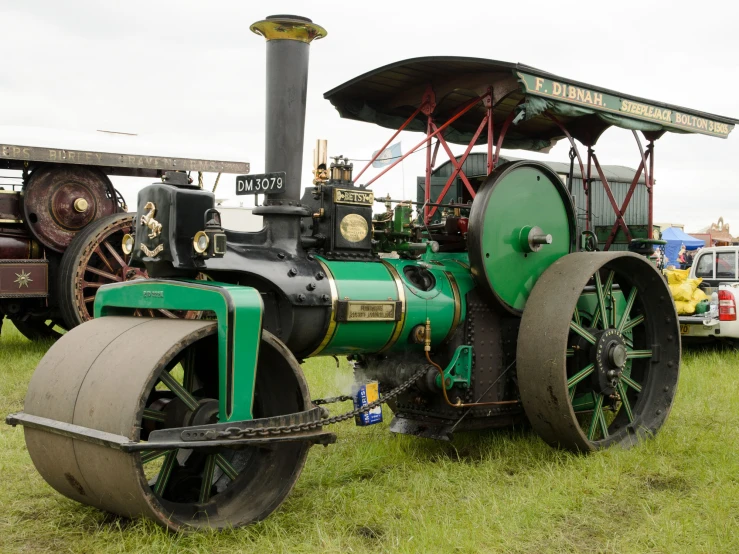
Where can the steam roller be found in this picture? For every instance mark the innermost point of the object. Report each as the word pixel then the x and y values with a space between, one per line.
pixel 481 322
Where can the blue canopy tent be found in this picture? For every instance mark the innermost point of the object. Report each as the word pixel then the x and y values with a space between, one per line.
pixel 675 239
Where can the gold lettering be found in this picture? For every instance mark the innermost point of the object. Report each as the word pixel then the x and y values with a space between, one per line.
pixel 539 83
pixel 597 99
pixel 572 93
pixel 556 89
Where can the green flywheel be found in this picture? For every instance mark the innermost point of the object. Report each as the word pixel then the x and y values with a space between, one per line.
pixel 522 221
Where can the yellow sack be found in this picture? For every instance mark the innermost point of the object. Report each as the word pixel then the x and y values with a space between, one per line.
pixel 699 295
pixel 682 292
pixel 685 308
pixel 677 276
pixel 694 283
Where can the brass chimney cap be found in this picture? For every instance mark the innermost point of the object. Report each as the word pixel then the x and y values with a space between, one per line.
pixel 288 27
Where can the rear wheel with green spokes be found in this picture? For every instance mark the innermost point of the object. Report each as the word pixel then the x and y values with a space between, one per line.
pixel 598 351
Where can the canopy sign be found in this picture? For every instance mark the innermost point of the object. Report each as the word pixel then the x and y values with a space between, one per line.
pixel 666 116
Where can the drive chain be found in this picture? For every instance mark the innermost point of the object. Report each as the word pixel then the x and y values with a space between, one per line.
pixel 238 433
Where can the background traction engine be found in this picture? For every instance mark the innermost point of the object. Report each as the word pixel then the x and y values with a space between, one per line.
pixel 207 423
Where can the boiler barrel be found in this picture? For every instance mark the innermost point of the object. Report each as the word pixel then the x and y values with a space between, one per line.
pixel 377 305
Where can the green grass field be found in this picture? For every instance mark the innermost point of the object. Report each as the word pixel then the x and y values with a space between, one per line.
pixel 377 492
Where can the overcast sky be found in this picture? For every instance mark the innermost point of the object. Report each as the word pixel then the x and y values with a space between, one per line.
pixel 188 77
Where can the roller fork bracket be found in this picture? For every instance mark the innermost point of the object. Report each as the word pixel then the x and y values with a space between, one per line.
pixel 459 370
pixel 238 311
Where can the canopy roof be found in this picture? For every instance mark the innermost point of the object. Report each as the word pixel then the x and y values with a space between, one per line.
pixel 389 95
pixel 675 238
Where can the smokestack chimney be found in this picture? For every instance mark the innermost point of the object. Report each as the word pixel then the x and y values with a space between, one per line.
pixel 288 43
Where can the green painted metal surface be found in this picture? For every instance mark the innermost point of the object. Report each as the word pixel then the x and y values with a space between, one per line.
pixel 361 281
pixel 637 232
pixel 238 310
pixel 524 198
pixel 587 307
pixel 375 281
pixel 437 304
pixel 459 370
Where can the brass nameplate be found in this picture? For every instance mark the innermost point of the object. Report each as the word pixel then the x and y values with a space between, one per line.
pixel 152 253
pixel 354 228
pixel 357 197
pixel 368 310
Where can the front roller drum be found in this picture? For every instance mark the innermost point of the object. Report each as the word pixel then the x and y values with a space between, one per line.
pixel 598 351
pixel 130 376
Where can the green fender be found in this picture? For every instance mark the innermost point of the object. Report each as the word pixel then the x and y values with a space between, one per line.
pixel 238 310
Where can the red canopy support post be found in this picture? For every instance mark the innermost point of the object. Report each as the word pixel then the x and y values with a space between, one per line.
pixel 629 194
pixel 458 167
pixel 438 131
pixel 650 188
pixel 634 183
pixel 381 150
pixel 458 164
pixel 619 218
pixel 427 186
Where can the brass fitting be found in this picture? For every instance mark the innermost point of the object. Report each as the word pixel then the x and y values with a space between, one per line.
pixel 81 205
pixel 427 336
pixel 288 27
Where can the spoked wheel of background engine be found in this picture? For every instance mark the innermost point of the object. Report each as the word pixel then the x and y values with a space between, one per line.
pixel 39 328
pixel 598 351
pixel 96 258
pixel 60 200
pixel 130 376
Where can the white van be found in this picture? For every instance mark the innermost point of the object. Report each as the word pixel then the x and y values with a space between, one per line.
pixel 718 266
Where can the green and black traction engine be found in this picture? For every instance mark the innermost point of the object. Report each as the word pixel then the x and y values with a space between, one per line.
pixel 208 422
